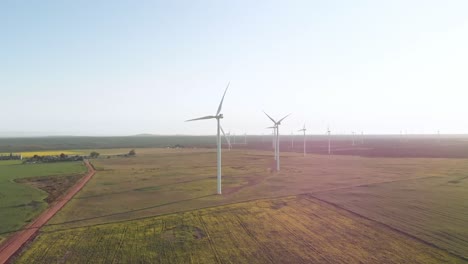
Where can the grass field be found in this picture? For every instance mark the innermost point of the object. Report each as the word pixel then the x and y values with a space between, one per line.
pixel 420 200
pixel 19 203
pixel 163 181
pixel 434 209
pixel 287 230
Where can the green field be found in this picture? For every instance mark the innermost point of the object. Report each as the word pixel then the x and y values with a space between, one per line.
pixel 286 230
pixel 20 203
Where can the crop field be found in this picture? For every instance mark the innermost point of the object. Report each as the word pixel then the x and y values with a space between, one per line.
pixel 418 202
pixel 295 229
pixel 167 181
pixel 160 181
pixel 28 154
pixel 19 203
pixel 443 146
pixel 432 209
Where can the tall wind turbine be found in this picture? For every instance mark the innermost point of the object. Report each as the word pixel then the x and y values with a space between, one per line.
pixel 329 140
pixel 273 139
pixel 304 130
pixel 277 124
pixel 218 117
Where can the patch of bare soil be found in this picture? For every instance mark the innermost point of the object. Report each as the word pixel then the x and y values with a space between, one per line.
pixel 55 186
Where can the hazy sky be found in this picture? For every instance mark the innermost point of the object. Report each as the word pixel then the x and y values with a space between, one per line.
pixel 129 67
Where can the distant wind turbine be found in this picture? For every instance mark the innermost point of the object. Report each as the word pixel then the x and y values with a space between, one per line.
pixel 218 117
pixel 292 140
pixel 276 125
pixel 304 130
pixel 273 139
pixel 329 140
pixel 228 140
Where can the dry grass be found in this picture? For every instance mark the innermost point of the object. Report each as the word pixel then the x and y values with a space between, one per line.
pixel 434 210
pixel 424 198
pixel 287 230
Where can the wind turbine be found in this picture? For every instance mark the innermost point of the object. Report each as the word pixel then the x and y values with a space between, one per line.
pixel 277 124
pixel 304 130
pixel 228 140
pixel 218 117
pixel 329 139
pixel 273 138
pixel 292 140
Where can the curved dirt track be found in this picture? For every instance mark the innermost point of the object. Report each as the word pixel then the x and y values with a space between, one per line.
pixel 15 242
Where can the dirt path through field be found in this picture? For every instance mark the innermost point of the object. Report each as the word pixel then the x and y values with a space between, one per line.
pixel 15 242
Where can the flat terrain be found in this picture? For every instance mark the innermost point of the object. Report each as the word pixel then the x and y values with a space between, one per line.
pixel 164 181
pixel 443 146
pixel 287 230
pixel 161 181
pixel 20 203
pixel 432 209
pixel 12 245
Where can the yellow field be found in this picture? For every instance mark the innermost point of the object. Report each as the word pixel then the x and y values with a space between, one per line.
pixel 289 230
pixel 29 154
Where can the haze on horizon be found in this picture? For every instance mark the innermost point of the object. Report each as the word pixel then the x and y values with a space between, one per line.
pixel 120 68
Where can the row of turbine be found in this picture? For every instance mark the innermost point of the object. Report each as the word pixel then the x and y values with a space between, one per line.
pixel 218 116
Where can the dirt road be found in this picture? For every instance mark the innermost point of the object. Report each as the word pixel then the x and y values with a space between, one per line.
pixel 15 242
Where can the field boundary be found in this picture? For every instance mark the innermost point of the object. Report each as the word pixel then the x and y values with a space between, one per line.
pixel 386 226
pixel 14 243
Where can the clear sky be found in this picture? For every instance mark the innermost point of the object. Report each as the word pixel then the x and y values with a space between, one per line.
pixel 130 67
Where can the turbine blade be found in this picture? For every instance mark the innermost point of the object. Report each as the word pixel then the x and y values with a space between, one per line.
pixel 227 139
pixel 270 117
pixel 222 99
pixel 283 118
pixel 200 118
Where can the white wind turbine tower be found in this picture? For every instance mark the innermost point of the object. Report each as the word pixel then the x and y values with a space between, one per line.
pixel 304 130
pixel 228 140
pixel 277 124
pixel 273 139
pixel 292 140
pixel 218 117
pixel 329 140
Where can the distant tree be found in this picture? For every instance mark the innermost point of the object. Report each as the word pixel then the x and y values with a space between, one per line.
pixel 94 154
pixel 63 156
pixel 132 152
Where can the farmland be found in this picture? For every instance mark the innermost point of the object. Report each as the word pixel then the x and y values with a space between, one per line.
pixel 20 203
pixel 168 195
pixel 167 181
pixel 433 209
pixel 287 230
